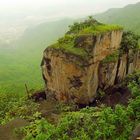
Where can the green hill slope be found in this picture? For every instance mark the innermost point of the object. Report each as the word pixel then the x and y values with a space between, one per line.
pixel 128 16
pixel 21 64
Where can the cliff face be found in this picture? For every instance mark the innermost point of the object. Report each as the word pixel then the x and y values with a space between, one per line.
pixel 75 77
pixel 112 73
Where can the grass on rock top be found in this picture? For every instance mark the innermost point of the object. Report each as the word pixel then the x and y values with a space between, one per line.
pixel 87 27
pixel 100 29
pixel 69 47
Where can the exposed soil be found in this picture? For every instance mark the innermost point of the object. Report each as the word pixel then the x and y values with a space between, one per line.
pixel 49 110
pixel 7 131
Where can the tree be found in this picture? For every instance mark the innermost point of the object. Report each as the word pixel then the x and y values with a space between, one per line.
pixel 129 41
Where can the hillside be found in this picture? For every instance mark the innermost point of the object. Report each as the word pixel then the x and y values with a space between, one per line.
pixel 128 16
pixel 20 63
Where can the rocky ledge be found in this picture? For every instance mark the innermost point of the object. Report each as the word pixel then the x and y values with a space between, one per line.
pixel 89 57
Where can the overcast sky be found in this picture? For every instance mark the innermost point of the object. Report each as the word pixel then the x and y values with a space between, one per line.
pixel 75 7
pixel 40 3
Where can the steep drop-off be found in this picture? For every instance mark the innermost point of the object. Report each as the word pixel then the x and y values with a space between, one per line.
pixel 85 59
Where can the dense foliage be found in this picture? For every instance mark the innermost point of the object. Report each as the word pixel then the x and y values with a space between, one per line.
pixel 12 107
pixel 6 103
pixel 102 122
pixel 87 124
pixel 90 123
pixel 129 41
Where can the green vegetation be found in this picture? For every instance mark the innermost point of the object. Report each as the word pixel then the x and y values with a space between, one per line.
pixel 20 62
pixel 89 26
pixel 111 58
pixel 67 44
pixel 99 29
pixel 6 103
pixel 13 106
pixel 135 77
pixel 89 123
pixel 129 41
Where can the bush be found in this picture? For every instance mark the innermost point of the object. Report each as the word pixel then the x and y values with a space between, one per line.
pixel 111 58
pixel 98 123
pixel 13 107
pixel 87 124
pixel 134 77
pixel 7 101
pixel 129 41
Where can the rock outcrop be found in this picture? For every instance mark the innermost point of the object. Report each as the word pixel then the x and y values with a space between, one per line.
pixel 82 62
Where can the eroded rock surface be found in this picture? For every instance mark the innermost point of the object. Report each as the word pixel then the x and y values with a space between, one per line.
pixel 72 77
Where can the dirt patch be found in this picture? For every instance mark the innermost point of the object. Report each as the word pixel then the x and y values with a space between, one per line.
pixel 7 131
pixel 49 109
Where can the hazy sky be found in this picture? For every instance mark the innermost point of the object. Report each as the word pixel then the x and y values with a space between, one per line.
pixel 64 6
pixel 40 3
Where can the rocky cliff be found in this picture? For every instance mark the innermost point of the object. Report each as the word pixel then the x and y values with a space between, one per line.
pixel 87 58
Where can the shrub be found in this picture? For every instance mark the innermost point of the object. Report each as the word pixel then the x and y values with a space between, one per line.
pixel 111 58
pixel 87 124
pixel 17 108
pixel 129 41
pixel 7 101
pixel 90 123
